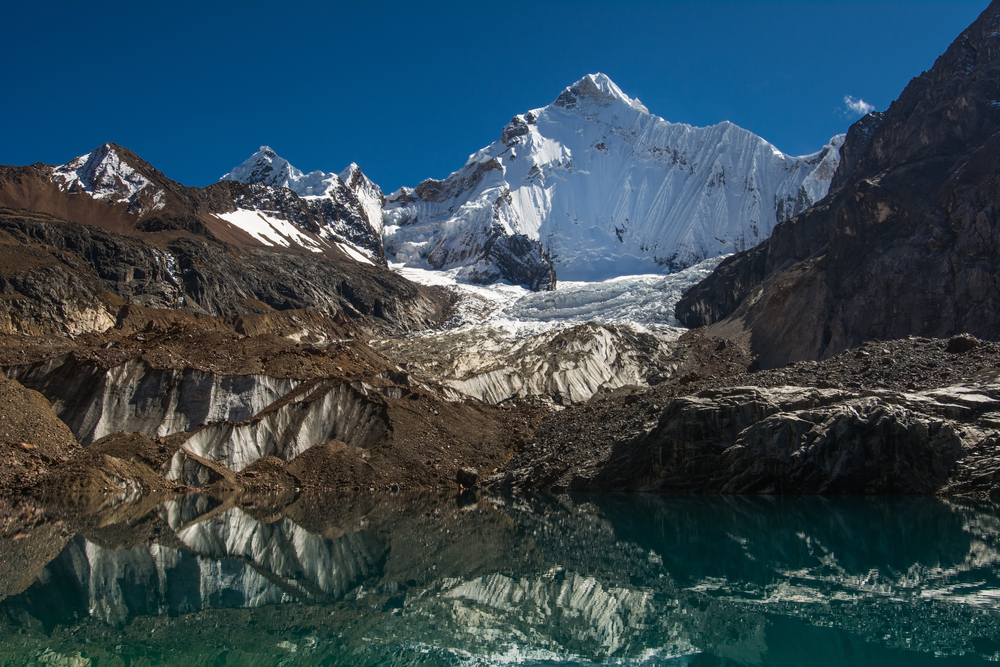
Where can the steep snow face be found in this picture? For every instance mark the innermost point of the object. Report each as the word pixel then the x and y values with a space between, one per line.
pixel 608 189
pixel 105 175
pixel 267 167
pixel 346 208
pixel 369 194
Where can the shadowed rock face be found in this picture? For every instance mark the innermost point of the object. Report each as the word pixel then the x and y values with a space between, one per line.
pixel 905 246
pixel 798 440
pixel 62 277
pixel 795 440
pixel 900 417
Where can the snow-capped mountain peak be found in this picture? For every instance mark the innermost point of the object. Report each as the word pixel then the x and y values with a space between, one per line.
pixel 596 88
pixel 107 173
pixel 368 193
pixel 604 188
pixel 346 208
pixel 268 168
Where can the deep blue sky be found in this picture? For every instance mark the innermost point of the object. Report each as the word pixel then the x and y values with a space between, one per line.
pixel 409 90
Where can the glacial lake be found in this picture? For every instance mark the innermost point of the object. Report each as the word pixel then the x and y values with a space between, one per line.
pixel 435 580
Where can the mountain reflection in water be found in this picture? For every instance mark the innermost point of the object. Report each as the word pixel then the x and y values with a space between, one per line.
pixel 596 579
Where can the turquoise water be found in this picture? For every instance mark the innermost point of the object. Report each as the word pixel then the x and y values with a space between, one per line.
pixel 597 579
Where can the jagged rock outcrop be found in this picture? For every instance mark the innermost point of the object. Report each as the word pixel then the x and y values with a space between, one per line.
pixel 515 258
pixel 906 246
pixel 804 441
pixel 338 208
pixel 912 416
pixel 796 440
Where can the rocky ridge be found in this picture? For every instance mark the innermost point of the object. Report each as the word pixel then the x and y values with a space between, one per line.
pixel 61 277
pixel 345 207
pixel 113 188
pixel 903 246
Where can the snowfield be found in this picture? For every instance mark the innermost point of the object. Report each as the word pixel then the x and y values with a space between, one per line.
pixel 268 229
pixel 643 301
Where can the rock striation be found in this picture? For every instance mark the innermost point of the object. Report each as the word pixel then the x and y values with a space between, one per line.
pixel 168 407
pixel 805 441
pixel 563 366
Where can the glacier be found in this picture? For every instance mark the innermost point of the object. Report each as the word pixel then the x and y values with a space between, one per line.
pixel 563 346
pixel 606 189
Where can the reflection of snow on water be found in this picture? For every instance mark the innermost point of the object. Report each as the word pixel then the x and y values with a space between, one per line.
pixel 646 301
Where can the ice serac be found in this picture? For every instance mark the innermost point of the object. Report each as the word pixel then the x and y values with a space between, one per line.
pixel 598 187
pixel 562 365
pixel 341 209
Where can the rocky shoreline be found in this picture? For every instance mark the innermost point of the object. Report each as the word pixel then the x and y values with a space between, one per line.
pixel 913 416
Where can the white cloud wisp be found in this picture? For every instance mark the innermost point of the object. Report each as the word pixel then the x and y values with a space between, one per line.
pixel 857 107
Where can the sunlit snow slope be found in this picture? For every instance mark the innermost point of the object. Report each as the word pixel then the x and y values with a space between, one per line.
pixel 607 189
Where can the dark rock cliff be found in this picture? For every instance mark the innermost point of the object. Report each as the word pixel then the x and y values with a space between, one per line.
pixel 62 277
pixel 907 241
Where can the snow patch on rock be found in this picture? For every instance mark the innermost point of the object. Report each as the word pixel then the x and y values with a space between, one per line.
pixel 346 207
pixel 269 230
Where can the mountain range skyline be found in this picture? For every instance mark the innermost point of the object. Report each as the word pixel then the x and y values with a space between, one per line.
pixel 325 96
pixel 589 187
